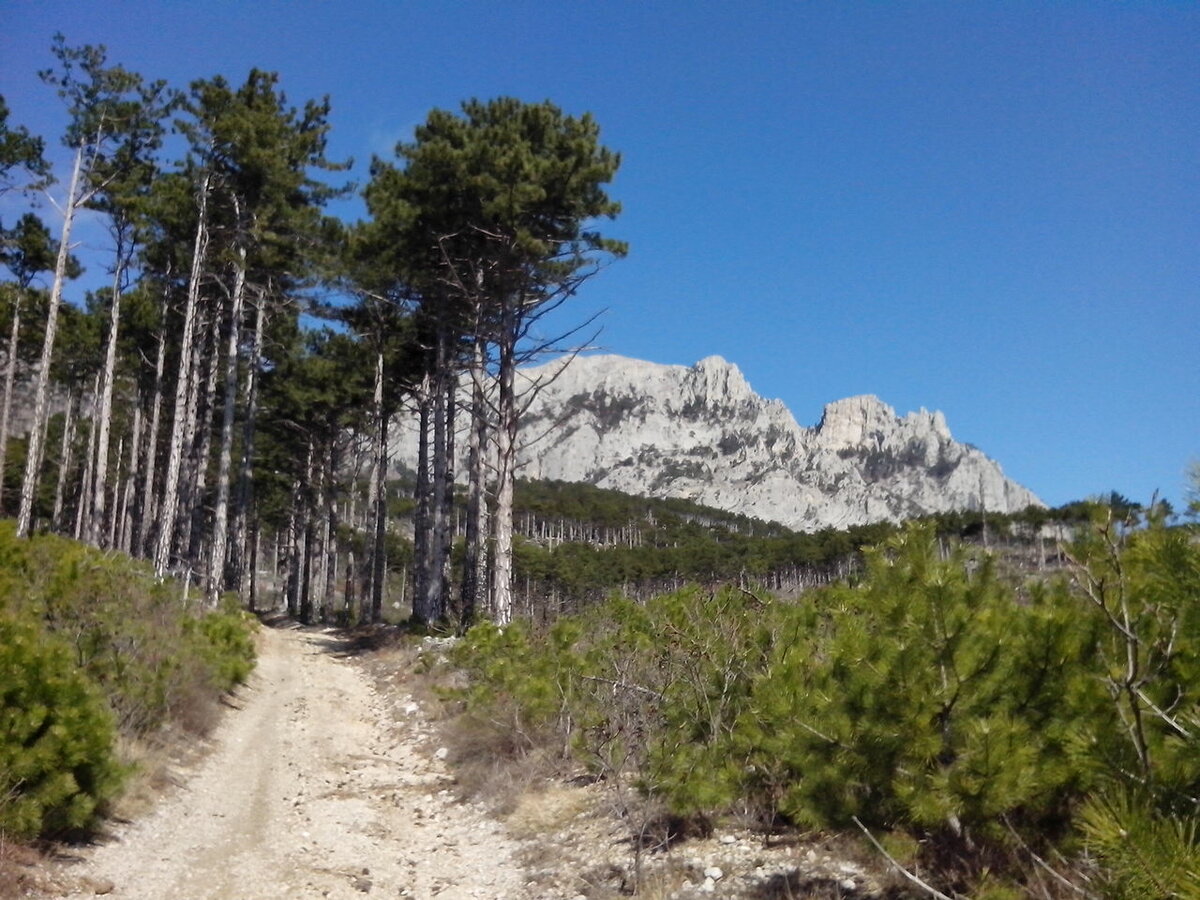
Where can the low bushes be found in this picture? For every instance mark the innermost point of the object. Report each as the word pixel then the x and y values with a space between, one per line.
pixel 92 646
pixel 56 736
pixel 932 697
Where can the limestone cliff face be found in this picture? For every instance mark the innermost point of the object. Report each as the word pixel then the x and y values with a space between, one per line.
pixel 703 434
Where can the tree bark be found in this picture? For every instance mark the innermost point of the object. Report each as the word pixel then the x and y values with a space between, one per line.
pixel 10 373
pixel 441 486
pixel 475 557
pixel 141 540
pixel 83 508
pixel 241 570
pixel 215 582
pixel 500 601
pixel 422 562
pixel 200 432
pixel 129 493
pixel 33 459
pixel 379 498
pixel 306 531
pixel 102 416
pixel 170 499
pixel 64 461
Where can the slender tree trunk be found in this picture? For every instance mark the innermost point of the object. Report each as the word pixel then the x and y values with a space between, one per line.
pixel 293 572
pixel 379 498
pixel 10 374
pixel 33 460
pixel 440 488
pixel 421 515
pixel 110 536
pixel 501 606
pixel 129 493
pixel 445 533
pixel 475 558
pixel 201 434
pixel 217 551
pixel 170 500
pixel 243 533
pixel 141 540
pixel 329 533
pixel 307 540
pixel 83 509
pixel 252 589
pixel 64 461
pixel 102 416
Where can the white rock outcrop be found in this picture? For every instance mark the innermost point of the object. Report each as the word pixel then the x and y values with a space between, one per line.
pixel 701 433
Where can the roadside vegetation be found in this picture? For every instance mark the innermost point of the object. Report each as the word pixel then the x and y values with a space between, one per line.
pixel 97 658
pixel 997 736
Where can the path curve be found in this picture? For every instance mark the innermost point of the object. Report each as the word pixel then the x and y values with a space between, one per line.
pixel 313 790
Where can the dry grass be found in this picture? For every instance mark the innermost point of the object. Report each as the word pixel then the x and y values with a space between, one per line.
pixel 20 870
pixel 541 811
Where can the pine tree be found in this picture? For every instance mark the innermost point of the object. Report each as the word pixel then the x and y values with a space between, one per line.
pixel 95 96
pixel 487 218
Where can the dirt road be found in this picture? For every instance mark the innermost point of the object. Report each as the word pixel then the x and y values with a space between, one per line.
pixel 313 790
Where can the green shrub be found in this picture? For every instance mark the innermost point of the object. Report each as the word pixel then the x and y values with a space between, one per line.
pixel 931 697
pixel 57 764
pixel 121 647
pixel 925 697
pixel 1144 853
pixel 150 654
pixel 224 641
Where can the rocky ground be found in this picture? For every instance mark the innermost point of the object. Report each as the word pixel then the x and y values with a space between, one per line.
pixel 330 779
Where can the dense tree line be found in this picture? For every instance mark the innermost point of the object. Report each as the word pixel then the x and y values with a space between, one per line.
pixel 221 406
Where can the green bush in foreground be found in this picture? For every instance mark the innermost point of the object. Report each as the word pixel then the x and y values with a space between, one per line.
pixel 931 697
pixel 57 762
pixel 93 645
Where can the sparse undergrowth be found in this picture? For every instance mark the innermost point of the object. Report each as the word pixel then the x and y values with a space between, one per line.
pixel 96 655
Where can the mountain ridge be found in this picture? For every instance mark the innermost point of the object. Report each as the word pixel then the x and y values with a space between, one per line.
pixel 702 433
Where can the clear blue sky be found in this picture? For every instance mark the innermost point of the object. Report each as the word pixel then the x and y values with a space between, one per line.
pixel 992 209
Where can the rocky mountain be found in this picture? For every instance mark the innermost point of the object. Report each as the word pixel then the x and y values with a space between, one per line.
pixel 703 434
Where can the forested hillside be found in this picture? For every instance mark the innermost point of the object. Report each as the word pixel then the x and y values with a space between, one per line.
pixel 221 407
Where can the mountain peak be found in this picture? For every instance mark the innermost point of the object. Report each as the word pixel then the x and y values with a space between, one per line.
pixel 701 433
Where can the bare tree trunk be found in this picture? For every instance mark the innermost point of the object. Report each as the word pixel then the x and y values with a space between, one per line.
pixel 110 537
pixel 217 551
pixel 102 415
pixel 149 504
pixel 379 499
pixel 10 373
pixel 170 499
pixel 440 489
pixel 294 552
pixel 475 558
pixel 83 509
pixel 421 515
pixel 129 494
pixel 202 434
pixel 500 601
pixel 329 533
pixel 64 461
pixel 306 542
pixel 33 459
pixel 252 589
pixel 242 538
pixel 445 530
